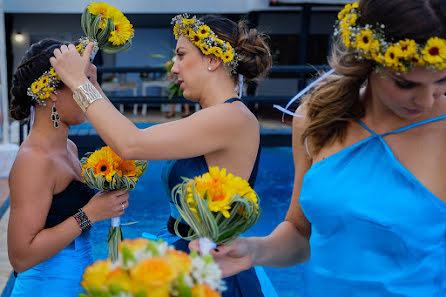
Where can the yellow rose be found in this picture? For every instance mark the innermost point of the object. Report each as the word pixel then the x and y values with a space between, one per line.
pixel 180 260
pixel 204 290
pixel 95 275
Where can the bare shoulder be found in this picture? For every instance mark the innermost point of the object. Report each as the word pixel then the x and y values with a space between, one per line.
pixel 72 148
pixel 300 121
pixel 230 116
pixel 32 165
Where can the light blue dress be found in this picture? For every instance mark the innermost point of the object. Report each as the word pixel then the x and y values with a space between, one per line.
pixel 376 231
pixel 60 275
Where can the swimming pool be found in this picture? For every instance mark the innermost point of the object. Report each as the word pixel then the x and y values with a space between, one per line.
pixel 149 208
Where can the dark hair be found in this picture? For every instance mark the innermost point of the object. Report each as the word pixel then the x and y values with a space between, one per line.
pixel 34 63
pixel 249 44
pixel 335 102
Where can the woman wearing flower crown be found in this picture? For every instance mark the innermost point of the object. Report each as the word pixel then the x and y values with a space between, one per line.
pixel 213 53
pixel 369 202
pixel 51 208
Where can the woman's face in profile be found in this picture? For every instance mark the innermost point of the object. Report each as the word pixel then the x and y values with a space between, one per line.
pixel 190 67
pixel 70 113
pixel 412 95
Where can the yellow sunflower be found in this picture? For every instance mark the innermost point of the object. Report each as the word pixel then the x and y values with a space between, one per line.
pixel 366 41
pixel 127 168
pixel 219 188
pixel 227 57
pixel 188 22
pixel 349 7
pixel 216 51
pixel 204 48
pixel 177 31
pixel 408 48
pixel 79 47
pixel 349 20
pixel 218 40
pixel 35 87
pixel 346 35
pixel 392 56
pixel 43 95
pixel 194 37
pixel 103 162
pixel 435 51
pixel 417 60
pixel 44 80
pixel 203 31
pixel 102 9
pixel 53 73
pixel 123 31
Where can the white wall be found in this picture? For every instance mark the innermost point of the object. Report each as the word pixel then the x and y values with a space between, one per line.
pixel 151 6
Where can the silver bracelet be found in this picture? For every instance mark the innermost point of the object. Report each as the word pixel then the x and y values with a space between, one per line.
pixel 85 95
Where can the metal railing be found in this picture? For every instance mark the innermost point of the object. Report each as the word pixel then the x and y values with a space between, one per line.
pixel 303 73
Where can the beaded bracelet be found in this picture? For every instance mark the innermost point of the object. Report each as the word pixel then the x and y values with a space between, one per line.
pixel 82 219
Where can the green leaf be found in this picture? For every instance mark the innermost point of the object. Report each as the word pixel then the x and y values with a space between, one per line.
pixel 183 288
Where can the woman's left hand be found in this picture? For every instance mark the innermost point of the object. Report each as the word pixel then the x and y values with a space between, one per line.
pixel 70 66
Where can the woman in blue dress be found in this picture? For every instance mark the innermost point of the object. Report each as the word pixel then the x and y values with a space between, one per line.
pixel 213 55
pixel 369 202
pixel 51 208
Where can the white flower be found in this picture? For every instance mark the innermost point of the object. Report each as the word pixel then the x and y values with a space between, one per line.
pixel 207 272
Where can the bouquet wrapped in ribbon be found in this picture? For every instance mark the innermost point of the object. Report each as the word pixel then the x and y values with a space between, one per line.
pixel 217 206
pixel 107 27
pixel 104 170
pixel 147 268
pixel 174 86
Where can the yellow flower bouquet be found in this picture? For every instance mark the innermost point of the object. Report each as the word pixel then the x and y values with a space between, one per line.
pixel 104 170
pixel 108 27
pixel 217 206
pixel 153 269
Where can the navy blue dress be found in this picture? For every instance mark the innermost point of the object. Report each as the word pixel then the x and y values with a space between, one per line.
pixel 243 284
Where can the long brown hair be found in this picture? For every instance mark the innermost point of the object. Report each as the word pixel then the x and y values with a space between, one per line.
pixel 335 102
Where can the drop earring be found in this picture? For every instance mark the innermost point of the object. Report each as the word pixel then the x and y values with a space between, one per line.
pixel 55 116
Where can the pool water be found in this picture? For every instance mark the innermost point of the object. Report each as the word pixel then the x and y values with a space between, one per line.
pixel 149 210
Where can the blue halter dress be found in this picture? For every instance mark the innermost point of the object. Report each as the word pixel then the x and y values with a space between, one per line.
pixel 252 282
pixel 60 275
pixel 376 231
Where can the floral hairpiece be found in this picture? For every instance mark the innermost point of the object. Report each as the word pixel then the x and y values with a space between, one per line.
pixel 47 83
pixel 106 27
pixel 205 39
pixel 370 43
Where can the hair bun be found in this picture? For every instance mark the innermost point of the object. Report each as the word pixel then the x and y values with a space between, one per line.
pixel 254 52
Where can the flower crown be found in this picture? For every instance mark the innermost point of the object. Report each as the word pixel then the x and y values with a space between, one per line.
pixel 48 82
pixel 370 43
pixel 106 27
pixel 205 39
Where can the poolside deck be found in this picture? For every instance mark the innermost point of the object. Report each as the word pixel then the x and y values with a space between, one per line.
pixel 273 133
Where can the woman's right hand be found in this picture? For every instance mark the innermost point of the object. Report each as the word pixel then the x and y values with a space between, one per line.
pixel 232 258
pixel 106 205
